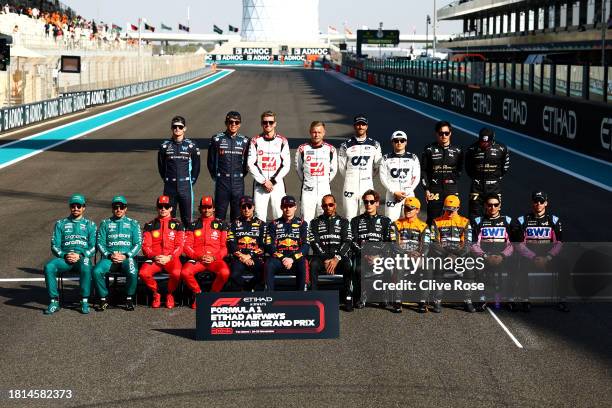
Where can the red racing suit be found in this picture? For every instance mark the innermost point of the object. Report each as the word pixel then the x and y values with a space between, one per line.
pixel 207 236
pixel 162 236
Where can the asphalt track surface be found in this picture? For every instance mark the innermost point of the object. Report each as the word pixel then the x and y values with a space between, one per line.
pixel 149 358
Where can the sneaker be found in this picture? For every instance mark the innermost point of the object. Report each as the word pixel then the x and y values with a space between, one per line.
pixel 422 307
pixel 397 308
pixel 84 307
pixel 437 308
pixel 156 303
pixel 468 306
pixel 195 296
pixel 562 307
pixel 129 305
pixel 102 306
pixel 526 307
pixel 348 304
pixel 360 305
pixel 169 301
pixel 53 307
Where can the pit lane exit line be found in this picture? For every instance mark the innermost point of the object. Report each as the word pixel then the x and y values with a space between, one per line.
pixel 588 169
pixel 18 150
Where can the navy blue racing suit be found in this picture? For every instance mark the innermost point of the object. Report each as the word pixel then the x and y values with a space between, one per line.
pixel 179 167
pixel 227 164
pixel 287 239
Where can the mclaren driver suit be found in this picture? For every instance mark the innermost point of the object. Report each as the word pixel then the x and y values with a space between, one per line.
pixel 316 167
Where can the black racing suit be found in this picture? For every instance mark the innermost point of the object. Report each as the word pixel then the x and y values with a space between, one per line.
pixel 378 231
pixel 440 172
pixel 178 164
pixel 246 237
pixel 330 237
pixel 227 164
pixel 486 169
pixel 287 239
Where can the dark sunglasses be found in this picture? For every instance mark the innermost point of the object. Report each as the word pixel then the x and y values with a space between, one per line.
pixel 267 122
pixel 77 206
pixel 246 206
pixel 399 140
pixel 180 127
pixel 492 204
pixel 539 201
pixel 407 208
pixel 444 133
pixel 233 122
pixel 369 202
pixel 164 206
pixel 329 205
pixel 119 206
pixel 206 207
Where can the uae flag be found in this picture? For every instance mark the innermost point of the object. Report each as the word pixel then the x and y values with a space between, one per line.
pixel 217 30
pixel 133 27
pixel 116 27
pixel 148 27
pixel 233 29
pixel 165 27
pixel 183 28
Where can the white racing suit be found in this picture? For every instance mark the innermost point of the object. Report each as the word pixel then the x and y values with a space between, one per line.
pixel 269 159
pixel 399 173
pixel 357 161
pixel 316 167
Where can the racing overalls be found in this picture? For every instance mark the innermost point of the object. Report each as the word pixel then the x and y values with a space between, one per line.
pixel 399 173
pixel 246 237
pixel 440 172
pixel 287 239
pixel 316 167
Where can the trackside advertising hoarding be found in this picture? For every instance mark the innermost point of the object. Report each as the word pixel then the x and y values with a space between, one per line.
pixel 267 315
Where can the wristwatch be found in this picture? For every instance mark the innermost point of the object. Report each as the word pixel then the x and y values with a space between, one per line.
pixel 338 257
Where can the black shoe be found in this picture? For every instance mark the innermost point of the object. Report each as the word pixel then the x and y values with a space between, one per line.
pixel 437 308
pixel 348 305
pixel 129 305
pixel 526 307
pixel 397 308
pixel 422 307
pixel 562 307
pixel 468 306
pixel 482 307
pixel 102 306
pixel 360 305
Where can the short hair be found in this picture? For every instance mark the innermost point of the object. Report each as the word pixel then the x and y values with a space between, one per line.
pixel 327 196
pixel 268 113
pixel 317 123
pixel 372 193
pixel 441 124
pixel 492 196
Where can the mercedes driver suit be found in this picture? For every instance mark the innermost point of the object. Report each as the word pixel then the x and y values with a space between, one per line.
pixel 440 171
pixel 357 161
pixel 179 167
pixel 269 159
pixel 206 236
pixel 539 236
pixel 162 236
pixel 120 235
pixel 316 167
pixel 492 237
pixel 399 172
pixel 246 237
pixel 486 169
pixel 76 236
pixel 414 238
pixel 287 239
pixel 329 238
pixel 371 235
pixel 227 164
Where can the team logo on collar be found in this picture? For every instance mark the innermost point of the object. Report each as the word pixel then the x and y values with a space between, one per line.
pixel 155 234
pixel 198 233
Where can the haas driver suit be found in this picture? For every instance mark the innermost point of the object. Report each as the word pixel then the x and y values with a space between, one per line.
pixel 440 171
pixel 162 236
pixel 287 239
pixel 179 167
pixel 227 164
pixel 268 159
pixel 207 236
pixel 399 172
pixel 316 167
pixel 357 161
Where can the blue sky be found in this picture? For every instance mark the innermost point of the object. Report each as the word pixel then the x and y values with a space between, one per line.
pixel 405 15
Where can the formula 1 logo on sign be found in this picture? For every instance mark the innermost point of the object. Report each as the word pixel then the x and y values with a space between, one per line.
pixel 268 163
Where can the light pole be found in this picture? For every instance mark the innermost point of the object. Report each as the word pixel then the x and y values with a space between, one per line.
pixel 604 27
pixel 380 36
pixel 427 23
pixel 435 22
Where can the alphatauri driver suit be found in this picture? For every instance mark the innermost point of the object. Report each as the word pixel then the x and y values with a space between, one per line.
pixel 357 161
pixel 399 172
pixel 269 159
pixel 316 167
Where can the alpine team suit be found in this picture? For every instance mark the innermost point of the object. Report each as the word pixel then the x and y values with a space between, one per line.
pixel 246 237
pixel 227 164
pixel 331 237
pixel 440 172
pixel 269 159
pixel 71 235
pixel 118 235
pixel 316 167
pixel 207 236
pixel 162 236
pixel 179 167
pixel 357 161
pixel 486 169
pixel 287 239
pixel 399 172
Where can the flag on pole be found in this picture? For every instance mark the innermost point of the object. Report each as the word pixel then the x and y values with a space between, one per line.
pixel 217 29
pixel 331 30
pixel 133 27
pixel 165 27
pixel 233 29
pixel 348 31
pixel 149 27
pixel 116 27
pixel 183 28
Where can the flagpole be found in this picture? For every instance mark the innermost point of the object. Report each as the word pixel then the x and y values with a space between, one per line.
pixel 139 49
pixel 188 15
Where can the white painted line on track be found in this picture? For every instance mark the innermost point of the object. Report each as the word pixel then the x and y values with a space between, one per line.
pixel 503 326
pixel 28 279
